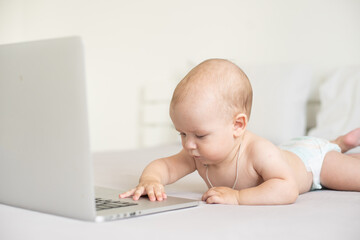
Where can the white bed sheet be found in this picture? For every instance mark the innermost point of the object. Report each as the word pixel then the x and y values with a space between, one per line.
pixel 315 215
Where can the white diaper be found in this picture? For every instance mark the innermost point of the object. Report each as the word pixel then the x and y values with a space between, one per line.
pixel 312 152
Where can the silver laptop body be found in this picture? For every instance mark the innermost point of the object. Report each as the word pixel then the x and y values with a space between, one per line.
pixel 45 160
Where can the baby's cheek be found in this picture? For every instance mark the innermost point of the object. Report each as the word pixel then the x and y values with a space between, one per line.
pixel 213 153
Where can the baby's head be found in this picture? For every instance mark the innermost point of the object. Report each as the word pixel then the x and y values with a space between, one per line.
pixel 215 83
pixel 210 109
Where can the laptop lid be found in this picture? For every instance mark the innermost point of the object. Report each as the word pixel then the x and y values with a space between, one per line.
pixel 45 162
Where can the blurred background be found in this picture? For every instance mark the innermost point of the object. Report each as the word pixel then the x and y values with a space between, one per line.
pixel 137 51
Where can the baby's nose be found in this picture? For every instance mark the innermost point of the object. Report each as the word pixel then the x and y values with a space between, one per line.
pixel 190 144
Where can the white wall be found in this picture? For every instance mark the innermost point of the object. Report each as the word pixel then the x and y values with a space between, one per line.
pixel 132 43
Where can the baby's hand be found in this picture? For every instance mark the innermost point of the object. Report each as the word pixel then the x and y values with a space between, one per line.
pixel 154 190
pixel 222 195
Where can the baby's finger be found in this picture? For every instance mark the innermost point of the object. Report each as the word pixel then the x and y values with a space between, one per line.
pixel 138 192
pixel 159 193
pixel 213 199
pixel 127 194
pixel 150 193
pixel 208 194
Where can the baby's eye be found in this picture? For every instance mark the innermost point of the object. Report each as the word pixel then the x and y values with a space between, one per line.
pixel 182 134
pixel 200 136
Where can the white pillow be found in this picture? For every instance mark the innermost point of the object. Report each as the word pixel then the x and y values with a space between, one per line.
pixel 340 104
pixel 279 101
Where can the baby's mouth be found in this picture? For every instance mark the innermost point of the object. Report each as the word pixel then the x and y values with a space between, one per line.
pixel 199 159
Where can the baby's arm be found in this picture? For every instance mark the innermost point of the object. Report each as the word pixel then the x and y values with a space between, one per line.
pixel 279 186
pixel 159 173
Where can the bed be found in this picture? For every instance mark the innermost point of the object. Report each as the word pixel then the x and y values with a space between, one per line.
pixel 327 108
pixel 321 214
pixel 315 215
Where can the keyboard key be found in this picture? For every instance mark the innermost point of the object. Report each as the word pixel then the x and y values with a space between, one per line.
pixel 103 204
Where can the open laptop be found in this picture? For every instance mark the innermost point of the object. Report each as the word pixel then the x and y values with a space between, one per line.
pixel 45 159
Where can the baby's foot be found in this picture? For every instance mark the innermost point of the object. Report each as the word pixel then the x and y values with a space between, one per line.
pixel 350 140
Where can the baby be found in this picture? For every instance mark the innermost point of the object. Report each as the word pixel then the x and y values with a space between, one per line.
pixel 210 109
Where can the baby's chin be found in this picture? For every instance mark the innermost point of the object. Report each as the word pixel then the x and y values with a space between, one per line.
pixel 202 160
pixel 197 158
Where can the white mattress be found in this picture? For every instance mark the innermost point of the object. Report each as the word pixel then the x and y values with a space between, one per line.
pixel 316 215
pixel 321 214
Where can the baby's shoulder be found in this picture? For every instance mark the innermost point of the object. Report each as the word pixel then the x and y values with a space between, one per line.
pixel 259 146
pixel 261 152
pixel 254 141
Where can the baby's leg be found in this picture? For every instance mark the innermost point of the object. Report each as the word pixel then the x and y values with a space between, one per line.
pixel 349 140
pixel 341 172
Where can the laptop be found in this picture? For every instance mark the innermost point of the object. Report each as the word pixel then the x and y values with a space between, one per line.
pixel 45 159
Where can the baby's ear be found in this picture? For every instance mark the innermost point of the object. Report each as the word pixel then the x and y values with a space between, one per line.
pixel 240 123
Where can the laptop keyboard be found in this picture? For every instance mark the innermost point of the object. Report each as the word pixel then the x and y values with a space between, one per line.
pixel 103 204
